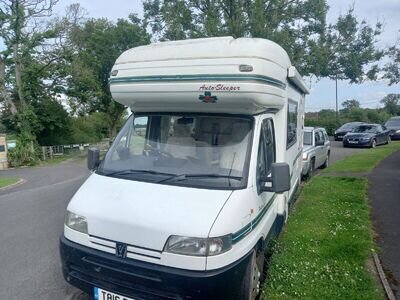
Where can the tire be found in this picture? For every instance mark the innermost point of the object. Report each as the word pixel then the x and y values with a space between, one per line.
pixel 326 163
pixel 311 169
pixel 373 143
pixel 251 283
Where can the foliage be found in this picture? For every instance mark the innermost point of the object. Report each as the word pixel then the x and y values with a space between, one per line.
pixel 88 129
pixel 351 104
pixel 99 42
pixel 352 47
pixel 391 104
pixel 345 49
pixel 364 161
pixel 25 153
pixel 392 68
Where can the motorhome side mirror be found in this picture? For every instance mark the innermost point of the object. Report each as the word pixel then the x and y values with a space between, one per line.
pixel 279 181
pixel 319 143
pixel 93 158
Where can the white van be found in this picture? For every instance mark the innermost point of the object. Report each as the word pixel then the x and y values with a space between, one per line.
pixel 199 179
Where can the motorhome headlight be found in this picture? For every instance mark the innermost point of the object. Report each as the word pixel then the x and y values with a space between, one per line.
pixel 305 156
pixel 198 246
pixel 76 222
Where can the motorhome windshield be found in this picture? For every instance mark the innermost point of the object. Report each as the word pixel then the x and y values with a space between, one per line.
pixel 205 151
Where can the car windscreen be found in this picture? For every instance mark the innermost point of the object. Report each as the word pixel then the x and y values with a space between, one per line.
pixel 347 126
pixel 206 151
pixel 307 140
pixel 393 123
pixel 364 129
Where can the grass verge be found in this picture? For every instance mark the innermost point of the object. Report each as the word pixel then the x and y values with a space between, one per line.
pixel 324 248
pixel 363 161
pixel 8 181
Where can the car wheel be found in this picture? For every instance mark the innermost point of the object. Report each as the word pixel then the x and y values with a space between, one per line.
pixel 326 163
pixel 311 169
pixel 373 143
pixel 252 278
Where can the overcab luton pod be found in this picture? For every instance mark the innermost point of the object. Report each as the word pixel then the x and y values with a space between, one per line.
pixel 198 180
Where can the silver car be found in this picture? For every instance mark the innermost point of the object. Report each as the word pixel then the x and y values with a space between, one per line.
pixel 316 150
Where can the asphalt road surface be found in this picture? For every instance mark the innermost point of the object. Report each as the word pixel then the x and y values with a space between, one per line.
pixel 31 221
pixel 338 152
pixel 384 194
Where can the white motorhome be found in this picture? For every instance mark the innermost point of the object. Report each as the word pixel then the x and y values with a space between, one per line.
pixel 199 179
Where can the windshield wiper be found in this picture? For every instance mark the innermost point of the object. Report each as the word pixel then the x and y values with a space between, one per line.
pixel 186 176
pixel 136 171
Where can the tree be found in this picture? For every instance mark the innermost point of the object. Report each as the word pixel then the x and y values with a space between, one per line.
pixel 353 52
pixel 392 68
pixel 391 103
pixel 345 50
pixel 98 43
pixel 21 32
pixel 351 104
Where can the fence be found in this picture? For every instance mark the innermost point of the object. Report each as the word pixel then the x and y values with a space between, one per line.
pixel 49 152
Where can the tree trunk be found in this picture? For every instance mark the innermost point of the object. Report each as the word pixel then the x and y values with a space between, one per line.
pixel 18 75
pixel 3 90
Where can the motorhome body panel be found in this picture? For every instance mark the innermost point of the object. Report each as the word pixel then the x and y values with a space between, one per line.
pixel 252 78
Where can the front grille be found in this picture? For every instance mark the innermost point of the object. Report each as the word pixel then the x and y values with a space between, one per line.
pixel 134 252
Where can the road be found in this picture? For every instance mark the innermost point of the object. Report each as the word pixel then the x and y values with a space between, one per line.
pixel 31 221
pixel 384 194
pixel 338 152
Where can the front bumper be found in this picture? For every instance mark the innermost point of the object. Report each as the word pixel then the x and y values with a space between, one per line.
pixel 360 143
pixel 339 136
pixel 305 165
pixel 395 136
pixel 86 268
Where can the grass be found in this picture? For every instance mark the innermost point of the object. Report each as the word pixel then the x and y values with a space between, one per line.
pixel 324 248
pixel 363 161
pixel 8 181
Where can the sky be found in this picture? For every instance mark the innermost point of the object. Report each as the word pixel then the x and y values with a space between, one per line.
pixel 323 91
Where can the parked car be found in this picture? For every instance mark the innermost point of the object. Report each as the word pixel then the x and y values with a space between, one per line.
pixel 345 128
pixel 316 150
pixel 367 135
pixel 393 124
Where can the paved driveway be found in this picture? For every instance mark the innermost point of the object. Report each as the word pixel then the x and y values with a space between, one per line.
pixel 31 221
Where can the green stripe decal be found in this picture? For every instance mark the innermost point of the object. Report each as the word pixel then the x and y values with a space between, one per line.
pixel 238 235
pixel 202 77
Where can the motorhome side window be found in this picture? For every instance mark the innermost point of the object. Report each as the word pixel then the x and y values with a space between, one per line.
pixel 266 151
pixel 192 150
pixel 291 123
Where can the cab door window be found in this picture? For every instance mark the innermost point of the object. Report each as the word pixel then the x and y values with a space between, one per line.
pixel 266 149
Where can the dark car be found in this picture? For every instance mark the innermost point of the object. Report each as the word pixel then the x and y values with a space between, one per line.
pixel 345 128
pixel 367 135
pixel 393 124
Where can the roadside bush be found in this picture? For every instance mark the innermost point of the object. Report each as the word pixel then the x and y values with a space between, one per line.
pixel 25 153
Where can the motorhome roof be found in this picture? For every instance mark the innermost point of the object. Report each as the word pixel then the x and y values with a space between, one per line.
pixel 235 75
pixel 219 47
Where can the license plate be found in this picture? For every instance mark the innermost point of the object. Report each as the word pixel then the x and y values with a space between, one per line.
pixel 353 142
pixel 100 294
